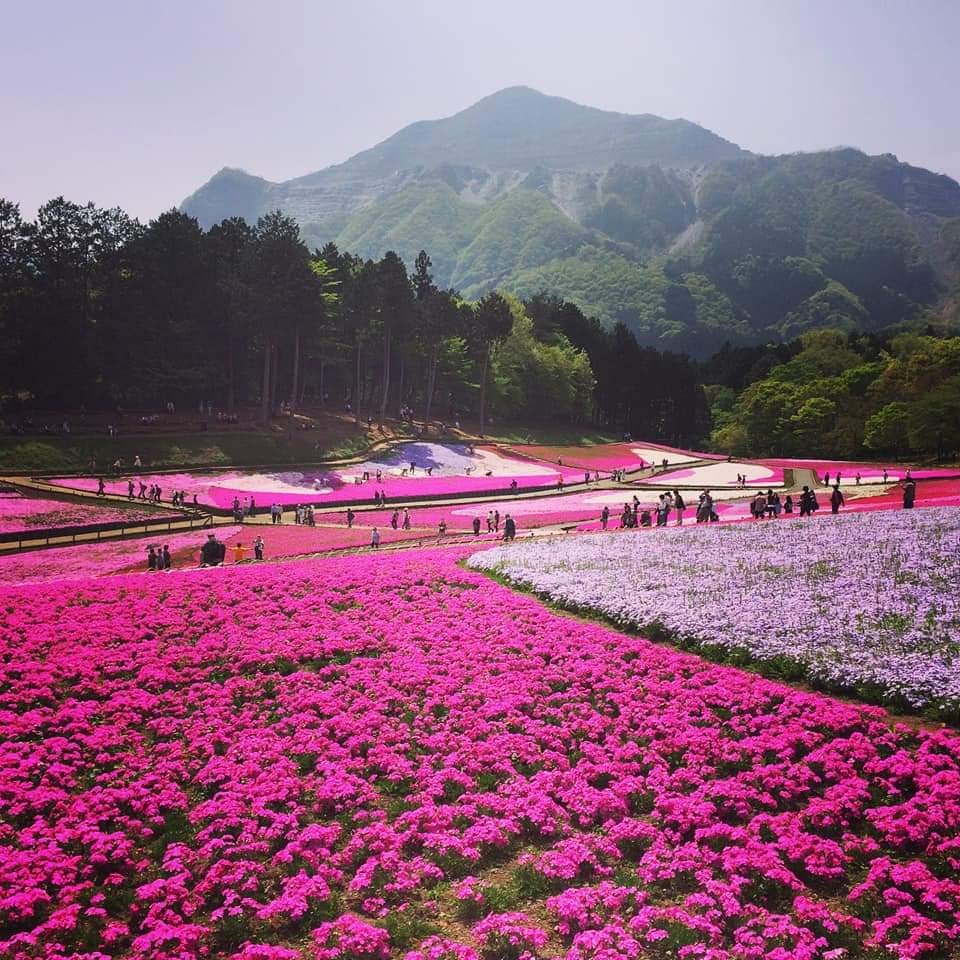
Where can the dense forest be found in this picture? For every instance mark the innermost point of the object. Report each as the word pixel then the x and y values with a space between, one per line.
pixel 99 311
pixel 837 394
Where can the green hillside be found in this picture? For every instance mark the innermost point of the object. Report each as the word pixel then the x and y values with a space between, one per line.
pixel 660 224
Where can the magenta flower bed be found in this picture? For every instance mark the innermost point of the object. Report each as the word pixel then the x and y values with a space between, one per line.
pixel 612 456
pixel 101 559
pixel 528 513
pixel 289 539
pixel 868 472
pixel 287 760
pixel 404 489
pixel 19 513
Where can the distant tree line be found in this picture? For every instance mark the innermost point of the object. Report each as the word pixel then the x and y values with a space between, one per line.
pixel 836 394
pixel 99 311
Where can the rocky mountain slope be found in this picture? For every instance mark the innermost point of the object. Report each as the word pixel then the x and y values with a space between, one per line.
pixel 660 224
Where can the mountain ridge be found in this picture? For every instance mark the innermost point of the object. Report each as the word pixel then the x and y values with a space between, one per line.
pixel 521 189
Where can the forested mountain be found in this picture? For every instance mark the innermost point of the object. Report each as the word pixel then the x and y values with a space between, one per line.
pixel 684 237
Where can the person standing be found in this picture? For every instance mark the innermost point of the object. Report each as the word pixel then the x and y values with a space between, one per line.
pixel 496 521
pixel 101 490
pixel 406 519
pixel 442 527
pixel 476 526
pixel 166 561
pixel 679 506
pixel 909 494
pixel 806 502
pixel 375 538
pixel 239 552
pixel 208 553
pixel 836 499
pixel 489 521
pixel 395 519
pixel 350 516
pixel 151 559
pixel 604 517
pixel 258 548
pixel 509 528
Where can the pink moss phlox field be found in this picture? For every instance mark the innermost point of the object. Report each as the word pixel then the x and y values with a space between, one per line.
pixel 103 559
pixel 294 759
pixel 19 513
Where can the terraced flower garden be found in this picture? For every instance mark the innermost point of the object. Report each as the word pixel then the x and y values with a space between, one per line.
pixel 392 756
pixel 407 755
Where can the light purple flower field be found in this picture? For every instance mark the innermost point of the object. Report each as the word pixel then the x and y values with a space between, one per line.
pixel 864 602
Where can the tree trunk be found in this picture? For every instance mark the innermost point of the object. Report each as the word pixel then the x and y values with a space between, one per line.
pixel 265 395
pixel 385 393
pixel 432 379
pixel 402 370
pixel 356 394
pixel 274 377
pixel 231 387
pixel 483 389
pixel 294 392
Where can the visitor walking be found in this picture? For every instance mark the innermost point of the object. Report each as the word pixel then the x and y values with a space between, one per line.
pixel 395 519
pixel 806 502
pixel 836 499
pixel 406 519
pixel 350 516
pixel 129 489
pixel 496 521
pixel 101 490
pixel 375 538
pixel 679 506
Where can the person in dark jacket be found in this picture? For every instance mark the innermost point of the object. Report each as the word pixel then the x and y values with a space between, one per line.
pixel 806 502
pixel 509 528
pixel 909 494
pixel 209 554
pixel 476 526
pixel 836 499
pixel 151 559
pixel 165 562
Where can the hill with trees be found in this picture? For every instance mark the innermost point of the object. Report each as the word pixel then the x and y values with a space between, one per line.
pixel 661 225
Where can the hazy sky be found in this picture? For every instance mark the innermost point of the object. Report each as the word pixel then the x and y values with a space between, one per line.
pixel 136 104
